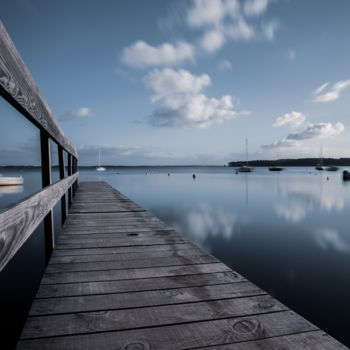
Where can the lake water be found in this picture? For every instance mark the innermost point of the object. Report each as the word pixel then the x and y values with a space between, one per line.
pixel 287 232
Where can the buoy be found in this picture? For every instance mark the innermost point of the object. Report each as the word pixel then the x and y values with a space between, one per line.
pixel 194 176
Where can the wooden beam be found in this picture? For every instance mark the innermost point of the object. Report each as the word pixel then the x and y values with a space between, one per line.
pixel 18 87
pixel 62 168
pixel 69 174
pixel 18 222
pixel 46 181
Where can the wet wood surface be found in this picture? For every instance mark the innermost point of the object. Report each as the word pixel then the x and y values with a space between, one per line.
pixel 119 278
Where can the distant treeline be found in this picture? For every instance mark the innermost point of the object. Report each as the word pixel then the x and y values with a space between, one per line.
pixel 295 162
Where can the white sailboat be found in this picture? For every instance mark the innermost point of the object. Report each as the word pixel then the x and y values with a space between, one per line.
pixel 100 168
pixel 245 168
pixel 11 181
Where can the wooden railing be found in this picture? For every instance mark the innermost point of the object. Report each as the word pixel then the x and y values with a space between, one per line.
pixel 18 222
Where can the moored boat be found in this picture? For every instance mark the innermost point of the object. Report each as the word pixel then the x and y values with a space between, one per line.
pixel 275 168
pixel 346 175
pixel 11 181
pixel 332 168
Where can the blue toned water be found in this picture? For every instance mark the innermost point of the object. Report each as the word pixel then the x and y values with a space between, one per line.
pixel 287 232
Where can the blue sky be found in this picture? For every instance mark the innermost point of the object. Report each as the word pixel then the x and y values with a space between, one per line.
pixel 185 82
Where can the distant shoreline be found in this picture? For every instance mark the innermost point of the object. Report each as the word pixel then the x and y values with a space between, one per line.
pixel 294 162
pixel 307 162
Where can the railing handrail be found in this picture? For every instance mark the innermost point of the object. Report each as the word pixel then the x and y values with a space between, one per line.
pixel 18 222
pixel 18 87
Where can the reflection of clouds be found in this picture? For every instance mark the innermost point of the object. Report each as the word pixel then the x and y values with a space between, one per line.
pixel 302 197
pixel 10 189
pixel 329 238
pixel 293 212
pixel 200 222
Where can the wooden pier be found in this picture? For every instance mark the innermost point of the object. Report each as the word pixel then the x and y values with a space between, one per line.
pixel 119 278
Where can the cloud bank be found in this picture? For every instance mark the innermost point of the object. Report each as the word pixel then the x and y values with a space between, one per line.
pixel 182 102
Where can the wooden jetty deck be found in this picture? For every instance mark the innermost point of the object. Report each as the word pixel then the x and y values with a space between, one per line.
pixel 119 278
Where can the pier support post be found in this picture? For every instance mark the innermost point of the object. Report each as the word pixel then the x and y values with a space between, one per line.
pixel 62 171
pixel 46 181
pixel 69 174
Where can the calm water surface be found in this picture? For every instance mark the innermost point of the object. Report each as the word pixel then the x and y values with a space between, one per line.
pixel 287 232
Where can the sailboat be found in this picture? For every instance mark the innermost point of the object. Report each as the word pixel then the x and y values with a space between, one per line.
pixel 245 168
pixel 319 166
pixel 100 168
pixel 275 168
pixel 11 181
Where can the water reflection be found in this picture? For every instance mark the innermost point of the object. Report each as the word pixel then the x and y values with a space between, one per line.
pixel 297 199
pixel 10 189
pixel 330 238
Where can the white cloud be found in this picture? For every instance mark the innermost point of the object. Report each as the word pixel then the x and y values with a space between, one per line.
pixel 269 29
pixel 255 7
pixel 182 102
pixel 78 114
pixel 319 130
pixel 333 93
pixel 282 143
pixel 211 12
pixel 193 111
pixel 321 88
pixel 212 40
pixel 169 81
pixel 224 65
pixel 225 19
pixel 240 30
pixel 141 55
pixel 293 119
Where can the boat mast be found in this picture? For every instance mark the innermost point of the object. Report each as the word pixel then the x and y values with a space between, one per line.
pixel 246 150
pixel 99 158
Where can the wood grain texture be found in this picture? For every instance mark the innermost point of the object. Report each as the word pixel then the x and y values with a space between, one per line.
pixel 18 87
pixel 17 223
pixel 182 336
pixel 124 280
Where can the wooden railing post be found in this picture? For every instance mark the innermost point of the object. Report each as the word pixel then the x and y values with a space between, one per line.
pixel 46 181
pixel 62 171
pixel 69 174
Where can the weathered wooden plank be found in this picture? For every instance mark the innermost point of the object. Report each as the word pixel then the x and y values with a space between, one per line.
pixel 151 272
pixel 78 323
pixel 122 241
pixel 315 340
pixel 131 264
pixel 182 336
pixel 123 249
pixel 19 221
pixel 18 87
pixel 142 299
pixel 126 256
pixel 137 285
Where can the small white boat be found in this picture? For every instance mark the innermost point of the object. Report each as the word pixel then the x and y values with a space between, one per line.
pixel 11 181
pixel 100 168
